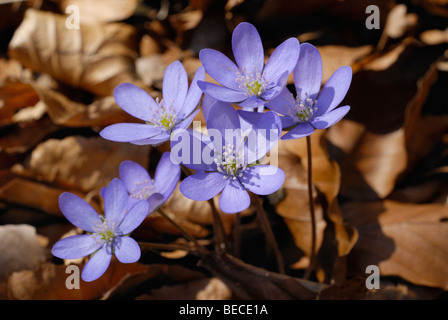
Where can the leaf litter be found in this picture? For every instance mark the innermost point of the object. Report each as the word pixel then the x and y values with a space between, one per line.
pixel 379 175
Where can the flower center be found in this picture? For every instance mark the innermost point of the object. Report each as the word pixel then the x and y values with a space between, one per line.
pixel 303 109
pixel 231 164
pixel 163 117
pixel 253 83
pixel 104 231
pixel 143 190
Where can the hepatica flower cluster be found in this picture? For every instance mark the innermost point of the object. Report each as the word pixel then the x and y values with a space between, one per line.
pixel 246 114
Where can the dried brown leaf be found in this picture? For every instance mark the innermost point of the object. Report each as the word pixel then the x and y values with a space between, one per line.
pixel 371 170
pixel 48 282
pixel 20 249
pixel 202 289
pixel 249 282
pixel 403 239
pixel 101 10
pixel 15 95
pixel 24 136
pixel 95 57
pixel 64 111
pixel 399 21
pixel 31 194
pixel 80 163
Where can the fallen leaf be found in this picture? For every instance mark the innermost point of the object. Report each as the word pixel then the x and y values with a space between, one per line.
pixel 48 282
pixel 15 95
pixel 249 282
pixel 202 289
pixel 24 136
pixel 399 21
pixel 95 57
pixel 372 169
pixel 80 163
pixel 100 10
pixel 64 111
pixel 20 249
pixel 31 194
pixel 404 239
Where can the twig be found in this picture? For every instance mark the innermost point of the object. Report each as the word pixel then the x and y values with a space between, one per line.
pixel 165 246
pixel 313 216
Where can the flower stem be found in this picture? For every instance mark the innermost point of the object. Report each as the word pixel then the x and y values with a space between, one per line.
pixel 313 216
pixel 265 225
pixel 220 234
pixel 237 235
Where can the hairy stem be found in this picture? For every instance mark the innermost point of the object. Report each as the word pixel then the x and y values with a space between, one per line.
pixel 265 225
pixel 237 235
pixel 313 215
pixel 220 234
pixel 221 245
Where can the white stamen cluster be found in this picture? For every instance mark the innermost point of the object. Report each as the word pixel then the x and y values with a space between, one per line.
pixel 163 117
pixel 302 109
pixel 143 190
pixel 253 83
pixel 231 163
pixel 104 231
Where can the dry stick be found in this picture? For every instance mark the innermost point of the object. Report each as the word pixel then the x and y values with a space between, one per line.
pixel 313 216
pixel 165 246
pixel 265 225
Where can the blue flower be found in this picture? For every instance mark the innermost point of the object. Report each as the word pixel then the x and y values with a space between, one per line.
pixel 140 186
pixel 228 160
pixel 249 83
pixel 312 109
pixel 106 235
pixel 176 110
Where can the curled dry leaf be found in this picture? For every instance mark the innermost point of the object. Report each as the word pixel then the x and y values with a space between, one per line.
pixel 31 194
pixel 24 136
pixel 402 291
pixel 100 10
pixel 95 57
pixel 436 7
pixel 48 282
pixel 201 289
pixel 399 21
pixel 434 37
pixel 80 163
pixel 15 95
pixel 371 170
pixel 334 56
pixel 424 130
pixel 249 282
pixel 20 249
pixel 64 111
pixel 403 239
